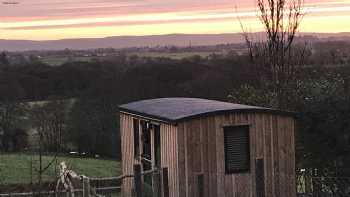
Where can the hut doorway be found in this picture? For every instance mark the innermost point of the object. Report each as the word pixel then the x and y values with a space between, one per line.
pixel 151 154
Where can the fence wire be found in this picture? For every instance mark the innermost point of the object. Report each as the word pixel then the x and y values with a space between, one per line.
pixel 308 186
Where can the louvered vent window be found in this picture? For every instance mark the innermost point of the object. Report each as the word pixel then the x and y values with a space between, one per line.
pixel 237 156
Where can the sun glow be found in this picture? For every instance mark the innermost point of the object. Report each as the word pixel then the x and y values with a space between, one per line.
pixel 64 23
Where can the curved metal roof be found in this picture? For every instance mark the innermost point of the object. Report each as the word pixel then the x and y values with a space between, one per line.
pixel 178 109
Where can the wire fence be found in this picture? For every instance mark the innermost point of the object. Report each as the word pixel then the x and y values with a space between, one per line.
pixel 311 186
pixel 154 183
pixel 145 184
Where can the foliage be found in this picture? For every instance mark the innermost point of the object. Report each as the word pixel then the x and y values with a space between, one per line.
pixel 325 133
pixel 277 59
pixel 48 119
pixel 97 88
pixel 249 95
pixel 93 127
pixel 324 126
pixel 11 112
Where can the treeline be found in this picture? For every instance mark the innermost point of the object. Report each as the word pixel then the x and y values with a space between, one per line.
pixel 87 94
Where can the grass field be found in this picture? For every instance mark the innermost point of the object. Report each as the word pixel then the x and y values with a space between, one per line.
pixel 175 55
pixel 59 60
pixel 15 168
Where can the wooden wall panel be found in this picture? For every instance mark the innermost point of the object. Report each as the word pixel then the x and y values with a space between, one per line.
pixel 268 164
pixel 182 159
pixel 197 147
pixel 169 156
pixel 271 139
pixel 127 149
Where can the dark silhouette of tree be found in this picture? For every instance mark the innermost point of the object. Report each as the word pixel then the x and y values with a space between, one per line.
pixel 276 59
pixel 4 59
pixel 11 111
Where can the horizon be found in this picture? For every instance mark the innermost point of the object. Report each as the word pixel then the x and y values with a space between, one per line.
pixel 298 34
pixel 40 20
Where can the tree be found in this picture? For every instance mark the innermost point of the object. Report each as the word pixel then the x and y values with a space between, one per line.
pixel 93 127
pixel 277 58
pixel 49 121
pixel 4 61
pixel 11 112
pixel 93 124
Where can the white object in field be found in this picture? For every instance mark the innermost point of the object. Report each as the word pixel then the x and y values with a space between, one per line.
pixel 66 178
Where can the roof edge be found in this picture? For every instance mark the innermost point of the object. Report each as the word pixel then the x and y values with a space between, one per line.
pixel 206 114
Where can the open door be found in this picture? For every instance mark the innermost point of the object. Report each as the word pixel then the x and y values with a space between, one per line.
pixel 151 155
pixel 156 147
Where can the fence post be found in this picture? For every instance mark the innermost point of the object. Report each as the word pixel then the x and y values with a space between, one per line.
pixel 137 180
pixel 156 187
pixel 260 178
pixel 86 187
pixel 200 184
pixel 165 182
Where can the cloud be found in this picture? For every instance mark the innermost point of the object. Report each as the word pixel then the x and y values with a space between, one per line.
pixel 59 15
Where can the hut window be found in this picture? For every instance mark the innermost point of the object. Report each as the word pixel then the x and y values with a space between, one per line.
pixel 236 142
pixel 136 138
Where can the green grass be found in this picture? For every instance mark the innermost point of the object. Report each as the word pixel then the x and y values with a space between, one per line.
pixel 15 168
pixel 59 60
pixel 174 55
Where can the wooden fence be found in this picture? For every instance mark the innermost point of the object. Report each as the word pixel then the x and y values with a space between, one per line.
pixel 109 186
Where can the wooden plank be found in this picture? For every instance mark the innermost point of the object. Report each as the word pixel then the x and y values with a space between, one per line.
pixel 233 178
pixel 220 160
pixel 282 155
pixel 181 160
pixel 205 156
pixel 276 158
pixel 196 144
pixel 256 147
pixel 292 131
pixel 189 159
pixel 268 154
pixel 213 158
pixel 127 151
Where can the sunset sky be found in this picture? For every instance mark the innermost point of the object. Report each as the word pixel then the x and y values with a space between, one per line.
pixel 58 19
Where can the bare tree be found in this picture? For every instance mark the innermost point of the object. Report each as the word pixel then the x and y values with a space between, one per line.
pixel 48 119
pixel 277 57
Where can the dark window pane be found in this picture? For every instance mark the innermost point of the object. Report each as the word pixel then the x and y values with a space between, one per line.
pixel 237 156
pixel 157 156
pixel 136 138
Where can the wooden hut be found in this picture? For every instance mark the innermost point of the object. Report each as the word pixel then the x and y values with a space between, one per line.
pixel 211 148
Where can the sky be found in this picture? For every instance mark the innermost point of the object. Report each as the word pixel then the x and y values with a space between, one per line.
pixel 62 19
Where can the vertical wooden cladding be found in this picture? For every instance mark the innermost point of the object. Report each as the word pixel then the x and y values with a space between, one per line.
pixel 169 150
pixel 196 147
pixel 169 159
pixel 201 151
pixel 127 148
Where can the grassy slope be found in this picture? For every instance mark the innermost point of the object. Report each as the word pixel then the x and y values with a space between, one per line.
pixel 15 168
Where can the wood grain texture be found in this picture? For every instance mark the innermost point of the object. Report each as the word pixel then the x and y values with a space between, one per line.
pixel 271 139
pixel 196 146
pixel 127 148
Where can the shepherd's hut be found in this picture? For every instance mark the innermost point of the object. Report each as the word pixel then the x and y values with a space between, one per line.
pixel 210 148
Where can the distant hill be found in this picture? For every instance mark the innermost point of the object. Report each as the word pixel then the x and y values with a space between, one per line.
pixel 151 41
